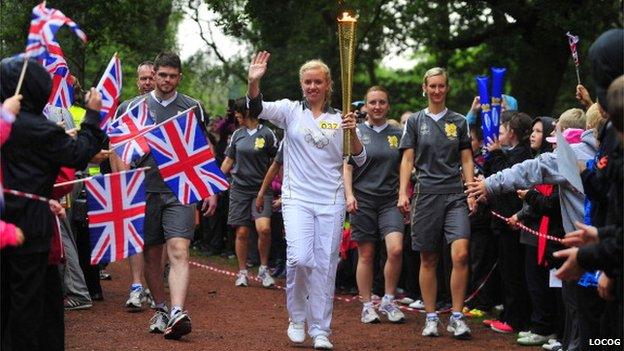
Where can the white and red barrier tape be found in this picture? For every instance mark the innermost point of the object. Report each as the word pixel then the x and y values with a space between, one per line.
pixel 527 229
pixel 342 298
pixel 252 277
pixel 26 195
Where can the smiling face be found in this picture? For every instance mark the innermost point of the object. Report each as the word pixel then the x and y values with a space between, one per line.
pixel 436 88
pixel 315 85
pixel 167 79
pixel 377 106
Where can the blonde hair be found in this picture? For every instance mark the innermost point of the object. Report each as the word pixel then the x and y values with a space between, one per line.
pixel 377 88
pixel 318 64
pixel 435 71
pixel 394 123
pixel 593 116
pixel 572 118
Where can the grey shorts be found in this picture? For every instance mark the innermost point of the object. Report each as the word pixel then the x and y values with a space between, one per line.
pixel 166 218
pixel 438 215
pixel 376 218
pixel 242 210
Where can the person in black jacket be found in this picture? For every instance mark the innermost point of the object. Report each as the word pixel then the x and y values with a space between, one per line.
pixel 515 130
pixel 31 160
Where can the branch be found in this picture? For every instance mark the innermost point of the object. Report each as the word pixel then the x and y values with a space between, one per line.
pixel 211 43
pixel 376 17
pixel 463 42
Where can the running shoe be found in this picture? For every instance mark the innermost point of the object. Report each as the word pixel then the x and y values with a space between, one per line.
pixel 159 321
pixel 431 327
pixel 148 298
pixel 418 304
pixel 321 342
pixel 135 301
pixel 178 326
pixel 459 328
pixel 369 316
pixel 241 280
pixel 533 339
pixel 296 332
pixel 473 313
pixel 392 312
pixel 488 322
pixel 501 327
pixel 265 277
pixel 552 344
pixel 72 303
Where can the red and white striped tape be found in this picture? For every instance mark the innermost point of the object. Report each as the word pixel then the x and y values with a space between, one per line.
pixel 277 286
pixel 26 195
pixel 527 229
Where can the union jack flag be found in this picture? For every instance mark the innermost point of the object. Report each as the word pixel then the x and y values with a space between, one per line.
pixel 185 160
pixel 110 89
pixel 43 27
pixel 116 211
pixel 62 94
pixel 132 122
pixel 573 40
pixel 42 45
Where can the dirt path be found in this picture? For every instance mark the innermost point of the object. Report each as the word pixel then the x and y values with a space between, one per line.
pixel 253 318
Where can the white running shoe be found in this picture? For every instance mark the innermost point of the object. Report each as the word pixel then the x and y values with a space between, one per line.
pixel 431 327
pixel 135 301
pixel 241 279
pixel 148 299
pixel 265 277
pixel 418 304
pixel 390 310
pixel 296 332
pixel 369 316
pixel 459 328
pixel 321 342
pixel 159 321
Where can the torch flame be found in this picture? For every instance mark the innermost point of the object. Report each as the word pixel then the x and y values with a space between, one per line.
pixel 347 18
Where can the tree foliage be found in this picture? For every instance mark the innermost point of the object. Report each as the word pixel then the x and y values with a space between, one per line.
pixel 467 37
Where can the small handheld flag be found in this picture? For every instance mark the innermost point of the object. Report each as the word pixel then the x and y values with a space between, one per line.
pixel 573 40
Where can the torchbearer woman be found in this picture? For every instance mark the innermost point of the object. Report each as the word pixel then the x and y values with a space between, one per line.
pixel 436 143
pixel 312 193
pixel 372 200
pixel 247 158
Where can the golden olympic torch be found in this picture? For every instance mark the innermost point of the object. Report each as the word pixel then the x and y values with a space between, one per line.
pixel 346 41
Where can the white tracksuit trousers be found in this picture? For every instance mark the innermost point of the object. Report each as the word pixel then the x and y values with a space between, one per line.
pixel 313 234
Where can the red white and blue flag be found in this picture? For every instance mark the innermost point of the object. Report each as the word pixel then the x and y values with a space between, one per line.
pixel 110 89
pixel 572 41
pixel 125 130
pixel 116 212
pixel 185 159
pixel 44 24
pixel 62 94
pixel 42 45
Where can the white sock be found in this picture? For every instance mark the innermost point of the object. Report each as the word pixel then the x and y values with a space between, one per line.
pixel 242 271
pixel 432 315
pixel 175 310
pixel 387 298
pixel 368 304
